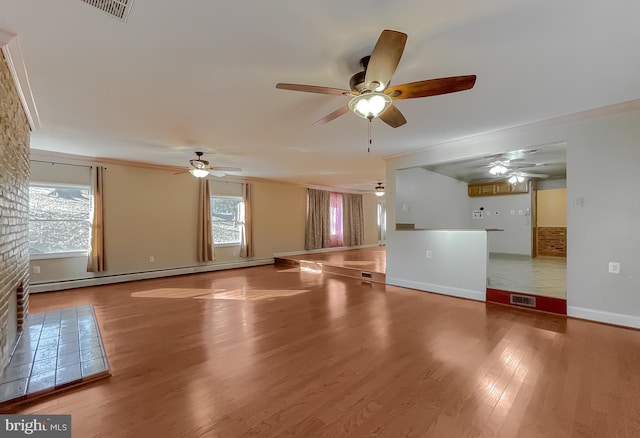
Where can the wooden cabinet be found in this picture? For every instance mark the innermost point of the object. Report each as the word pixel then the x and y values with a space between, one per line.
pixel 497 188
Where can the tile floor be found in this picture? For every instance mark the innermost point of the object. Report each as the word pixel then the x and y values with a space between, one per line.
pixel 56 350
pixel 545 276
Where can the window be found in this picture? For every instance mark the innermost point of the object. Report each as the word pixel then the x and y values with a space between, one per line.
pixel 227 219
pixel 59 219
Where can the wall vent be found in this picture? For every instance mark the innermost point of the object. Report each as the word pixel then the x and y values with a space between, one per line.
pixel 522 300
pixel 116 8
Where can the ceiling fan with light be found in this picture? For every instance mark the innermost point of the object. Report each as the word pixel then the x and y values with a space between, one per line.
pixel 200 168
pixel 371 93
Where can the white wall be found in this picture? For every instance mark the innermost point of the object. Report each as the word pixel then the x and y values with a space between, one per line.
pixel 457 264
pixel 516 235
pixel 430 200
pixel 603 157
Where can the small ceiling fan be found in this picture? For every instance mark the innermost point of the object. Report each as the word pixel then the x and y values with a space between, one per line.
pixel 371 95
pixel 200 168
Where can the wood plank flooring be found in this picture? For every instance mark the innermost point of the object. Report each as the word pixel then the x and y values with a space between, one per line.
pixel 341 358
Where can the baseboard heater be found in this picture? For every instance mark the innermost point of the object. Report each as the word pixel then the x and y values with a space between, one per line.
pixel 522 300
pixel 145 275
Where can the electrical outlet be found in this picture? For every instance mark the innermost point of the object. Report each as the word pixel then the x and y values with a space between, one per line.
pixel 36 269
pixel 152 259
pixel 428 254
pixel 614 268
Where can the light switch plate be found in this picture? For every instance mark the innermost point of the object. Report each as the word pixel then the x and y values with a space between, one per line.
pixel 614 267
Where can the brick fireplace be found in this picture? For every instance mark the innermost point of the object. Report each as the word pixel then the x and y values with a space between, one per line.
pixel 14 214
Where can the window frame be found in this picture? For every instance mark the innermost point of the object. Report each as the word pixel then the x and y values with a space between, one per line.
pixel 239 222
pixel 63 254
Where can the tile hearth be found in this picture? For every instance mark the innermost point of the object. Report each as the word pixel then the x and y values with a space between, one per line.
pixel 56 350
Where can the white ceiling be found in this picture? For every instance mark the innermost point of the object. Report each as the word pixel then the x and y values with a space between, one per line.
pixel 200 75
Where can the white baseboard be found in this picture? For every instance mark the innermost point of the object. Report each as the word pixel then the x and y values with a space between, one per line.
pixel 111 279
pixel 606 317
pixel 312 251
pixel 439 289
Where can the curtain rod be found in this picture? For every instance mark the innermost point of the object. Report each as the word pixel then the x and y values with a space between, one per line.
pixel 61 164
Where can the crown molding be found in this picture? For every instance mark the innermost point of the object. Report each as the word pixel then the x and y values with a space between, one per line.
pixel 12 51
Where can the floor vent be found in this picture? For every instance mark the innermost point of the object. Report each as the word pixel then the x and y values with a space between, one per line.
pixel 366 275
pixel 522 300
pixel 116 8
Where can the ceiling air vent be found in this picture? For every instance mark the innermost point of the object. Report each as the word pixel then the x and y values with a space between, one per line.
pixel 116 8
pixel 523 300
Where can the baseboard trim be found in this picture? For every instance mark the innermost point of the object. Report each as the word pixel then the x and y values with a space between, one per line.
pixel 439 289
pixel 605 317
pixel 313 251
pixel 121 278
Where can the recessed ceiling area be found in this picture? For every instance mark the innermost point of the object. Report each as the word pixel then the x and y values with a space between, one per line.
pixel 543 162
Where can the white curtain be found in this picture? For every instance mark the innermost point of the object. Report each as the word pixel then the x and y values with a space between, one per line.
pixel 96 261
pixel 246 237
pixel 205 237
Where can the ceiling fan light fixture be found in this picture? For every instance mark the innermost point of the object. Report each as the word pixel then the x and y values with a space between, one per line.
pixel 498 169
pixel 199 173
pixel 370 105
pixel 514 179
pixel 379 190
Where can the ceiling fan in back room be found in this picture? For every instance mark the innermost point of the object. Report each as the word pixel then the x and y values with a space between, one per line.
pixel 370 91
pixel 200 168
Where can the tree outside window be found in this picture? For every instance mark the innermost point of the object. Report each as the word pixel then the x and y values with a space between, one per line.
pixel 59 219
pixel 226 219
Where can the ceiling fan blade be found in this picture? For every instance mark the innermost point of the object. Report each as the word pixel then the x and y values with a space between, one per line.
pixel 533 175
pixel 431 87
pixel 334 115
pixel 385 57
pixel 225 169
pixel 393 117
pixel 314 89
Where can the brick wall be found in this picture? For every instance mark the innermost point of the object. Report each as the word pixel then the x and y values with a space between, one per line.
pixel 552 241
pixel 14 219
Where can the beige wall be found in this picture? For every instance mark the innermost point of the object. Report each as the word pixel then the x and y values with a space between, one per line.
pixel 552 208
pixel 14 196
pixel 152 212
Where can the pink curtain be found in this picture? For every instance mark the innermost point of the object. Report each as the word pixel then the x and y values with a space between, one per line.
pixel 335 217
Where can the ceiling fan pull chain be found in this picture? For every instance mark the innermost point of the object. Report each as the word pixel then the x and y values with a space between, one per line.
pixel 369 147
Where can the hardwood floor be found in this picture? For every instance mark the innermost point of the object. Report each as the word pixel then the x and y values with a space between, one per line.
pixel 337 357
